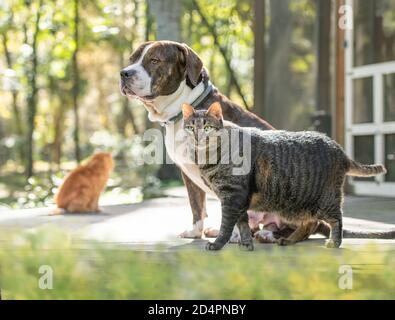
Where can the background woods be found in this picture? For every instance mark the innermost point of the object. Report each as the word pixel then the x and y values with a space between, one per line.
pixel 60 60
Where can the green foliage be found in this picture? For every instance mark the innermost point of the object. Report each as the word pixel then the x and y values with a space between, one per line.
pixel 109 30
pixel 118 273
pixel 130 182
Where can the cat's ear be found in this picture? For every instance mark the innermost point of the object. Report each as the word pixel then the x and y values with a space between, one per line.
pixel 215 110
pixel 187 110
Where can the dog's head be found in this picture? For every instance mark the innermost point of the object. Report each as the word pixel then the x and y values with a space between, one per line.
pixel 157 68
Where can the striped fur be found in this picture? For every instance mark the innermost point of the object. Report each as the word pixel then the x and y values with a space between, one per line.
pixel 361 170
pixel 298 175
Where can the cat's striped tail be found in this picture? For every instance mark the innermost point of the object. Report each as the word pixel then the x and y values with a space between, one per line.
pixel 362 170
pixel 387 234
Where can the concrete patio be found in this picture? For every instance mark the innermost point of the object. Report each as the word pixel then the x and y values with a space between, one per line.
pixel 158 221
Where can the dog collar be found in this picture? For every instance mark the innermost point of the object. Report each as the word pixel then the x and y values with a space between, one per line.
pixel 210 87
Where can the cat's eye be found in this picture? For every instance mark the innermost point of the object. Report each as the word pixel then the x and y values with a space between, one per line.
pixel 189 128
pixel 154 61
pixel 208 128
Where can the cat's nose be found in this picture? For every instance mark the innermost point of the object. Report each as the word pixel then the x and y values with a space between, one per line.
pixel 200 135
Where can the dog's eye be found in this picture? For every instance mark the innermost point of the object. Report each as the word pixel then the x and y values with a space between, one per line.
pixel 154 61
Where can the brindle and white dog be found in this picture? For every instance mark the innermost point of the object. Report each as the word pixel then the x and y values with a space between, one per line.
pixel 166 74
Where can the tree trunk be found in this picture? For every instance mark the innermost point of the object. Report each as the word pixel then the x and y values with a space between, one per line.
pixel 323 39
pixel 58 134
pixel 148 21
pixel 167 15
pixel 340 67
pixel 322 119
pixel 76 84
pixel 259 57
pixel 277 65
pixel 15 108
pixel 31 98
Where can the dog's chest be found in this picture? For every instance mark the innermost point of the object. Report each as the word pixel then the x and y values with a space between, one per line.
pixel 176 146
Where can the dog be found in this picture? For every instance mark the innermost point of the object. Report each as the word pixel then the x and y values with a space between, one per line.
pixel 81 188
pixel 166 74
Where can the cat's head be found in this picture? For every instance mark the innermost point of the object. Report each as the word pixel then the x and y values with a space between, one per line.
pixel 103 160
pixel 202 124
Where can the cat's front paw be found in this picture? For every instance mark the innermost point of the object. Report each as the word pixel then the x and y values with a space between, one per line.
pixel 211 232
pixel 330 243
pixel 246 246
pixel 212 246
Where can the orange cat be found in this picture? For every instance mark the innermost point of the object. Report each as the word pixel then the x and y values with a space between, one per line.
pixel 81 189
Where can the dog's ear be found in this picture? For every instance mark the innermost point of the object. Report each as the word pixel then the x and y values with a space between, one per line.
pixel 215 110
pixel 136 54
pixel 193 63
pixel 187 110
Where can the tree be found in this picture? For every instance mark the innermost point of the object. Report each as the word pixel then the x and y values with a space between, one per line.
pixel 13 84
pixel 31 99
pixel 323 87
pixel 167 15
pixel 76 83
pixel 259 57
pixel 278 59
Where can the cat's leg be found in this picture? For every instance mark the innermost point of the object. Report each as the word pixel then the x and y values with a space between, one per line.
pixel 94 205
pixel 230 215
pixel 76 206
pixel 246 241
pixel 80 202
pixel 334 219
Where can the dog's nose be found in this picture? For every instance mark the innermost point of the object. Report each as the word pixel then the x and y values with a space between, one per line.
pixel 127 73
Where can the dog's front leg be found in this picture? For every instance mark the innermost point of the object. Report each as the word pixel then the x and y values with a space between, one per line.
pixel 197 200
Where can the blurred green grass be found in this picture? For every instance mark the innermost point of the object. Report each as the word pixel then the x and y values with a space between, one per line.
pixel 96 272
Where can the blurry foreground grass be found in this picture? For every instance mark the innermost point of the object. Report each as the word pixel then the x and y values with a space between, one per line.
pixel 95 272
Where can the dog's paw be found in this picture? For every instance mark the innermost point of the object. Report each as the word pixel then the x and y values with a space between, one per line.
pixel 212 246
pixel 191 234
pixel 265 236
pixel 211 233
pixel 195 233
pixel 283 242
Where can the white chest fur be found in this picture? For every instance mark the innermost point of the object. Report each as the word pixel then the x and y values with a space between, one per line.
pixel 176 147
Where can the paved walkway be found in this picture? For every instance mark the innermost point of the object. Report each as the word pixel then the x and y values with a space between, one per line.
pixel 144 225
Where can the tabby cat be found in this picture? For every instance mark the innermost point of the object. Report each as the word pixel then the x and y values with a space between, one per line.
pixel 297 175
